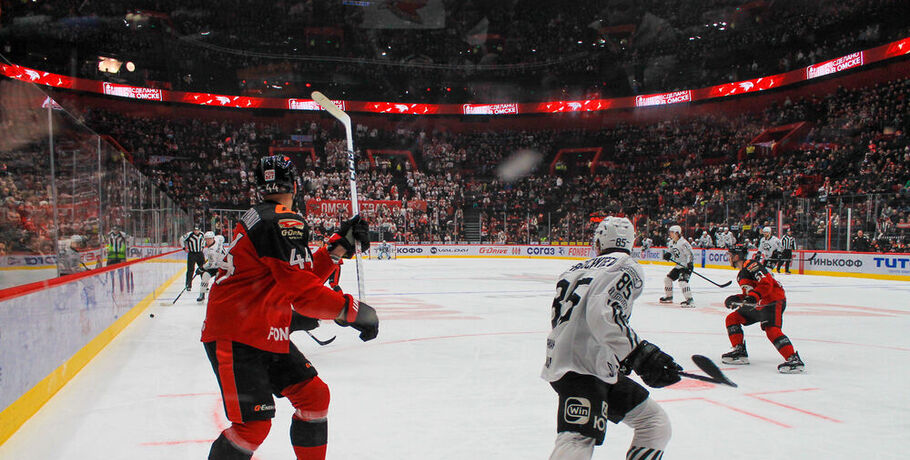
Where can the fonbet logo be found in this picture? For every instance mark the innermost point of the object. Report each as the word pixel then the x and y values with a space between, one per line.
pixel 486 250
pixel 580 251
pixel 577 410
pixel 278 334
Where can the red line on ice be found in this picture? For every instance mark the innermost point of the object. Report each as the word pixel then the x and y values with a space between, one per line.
pixel 734 409
pixel 755 395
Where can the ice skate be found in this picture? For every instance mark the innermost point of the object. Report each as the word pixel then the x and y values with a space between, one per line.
pixel 688 303
pixel 201 297
pixel 793 365
pixel 666 299
pixel 737 355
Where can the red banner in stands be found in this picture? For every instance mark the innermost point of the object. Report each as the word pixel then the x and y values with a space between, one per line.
pixel 843 63
pixel 368 207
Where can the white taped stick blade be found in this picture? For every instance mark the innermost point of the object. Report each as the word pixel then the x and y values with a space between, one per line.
pixel 330 107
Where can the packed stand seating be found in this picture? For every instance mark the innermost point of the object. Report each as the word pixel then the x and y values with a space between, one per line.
pixel 695 172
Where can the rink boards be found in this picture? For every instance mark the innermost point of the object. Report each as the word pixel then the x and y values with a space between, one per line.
pixel 50 329
pixel 829 263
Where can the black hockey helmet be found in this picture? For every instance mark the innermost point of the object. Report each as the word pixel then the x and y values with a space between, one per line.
pixel 275 174
pixel 738 250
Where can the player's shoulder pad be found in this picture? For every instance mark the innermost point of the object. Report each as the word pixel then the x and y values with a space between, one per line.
pixel 753 267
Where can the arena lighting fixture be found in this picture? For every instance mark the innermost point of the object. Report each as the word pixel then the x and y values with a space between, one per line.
pixel 109 64
pixel 130 66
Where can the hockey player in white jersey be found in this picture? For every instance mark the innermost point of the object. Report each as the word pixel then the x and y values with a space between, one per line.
pixel 705 240
pixel 769 247
pixel 214 254
pixel 384 251
pixel 726 239
pixel 679 251
pixel 646 244
pixel 592 349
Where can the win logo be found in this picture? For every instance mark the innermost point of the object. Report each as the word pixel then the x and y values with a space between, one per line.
pixel 577 411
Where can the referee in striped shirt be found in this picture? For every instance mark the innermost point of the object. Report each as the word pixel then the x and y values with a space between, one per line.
pixel 788 244
pixel 193 243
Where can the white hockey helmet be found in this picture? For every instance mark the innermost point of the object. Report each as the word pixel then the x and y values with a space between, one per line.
pixel 766 230
pixel 209 234
pixel 614 233
pixel 78 239
pixel 676 229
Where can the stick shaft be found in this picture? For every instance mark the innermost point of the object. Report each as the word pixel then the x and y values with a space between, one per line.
pixel 700 275
pixel 699 377
pixel 345 120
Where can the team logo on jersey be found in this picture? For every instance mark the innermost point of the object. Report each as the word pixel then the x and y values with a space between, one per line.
pixel 577 410
pixel 290 223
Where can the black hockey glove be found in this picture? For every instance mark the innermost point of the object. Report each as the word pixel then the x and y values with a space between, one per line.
pixel 303 323
pixel 739 300
pixel 667 256
pixel 656 368
pixel 360 316
pixel 199 271
pixel 354 229
pixel 690 267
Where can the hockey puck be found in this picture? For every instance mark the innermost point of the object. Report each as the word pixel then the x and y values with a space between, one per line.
pixel 151 315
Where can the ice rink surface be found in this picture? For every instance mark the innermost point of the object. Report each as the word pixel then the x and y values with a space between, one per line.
pixel 454 374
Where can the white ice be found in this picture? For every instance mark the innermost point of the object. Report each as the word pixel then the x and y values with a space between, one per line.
pixel 454 374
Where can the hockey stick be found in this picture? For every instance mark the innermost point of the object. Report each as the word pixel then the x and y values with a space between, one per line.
pixel 320 342
pixel 701 276
pixel 345 120
pixel 708 367
pixel 184 289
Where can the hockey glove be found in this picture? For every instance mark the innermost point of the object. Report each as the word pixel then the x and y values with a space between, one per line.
pixel 354 229
pixel 360 316
pixel 656 368
pixel 303 323
pixel 667 256
pixel 739 300
pixel 199 271
pixel 690 267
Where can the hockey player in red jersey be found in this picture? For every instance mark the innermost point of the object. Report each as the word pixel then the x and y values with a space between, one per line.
pixel 268 273
pixel 763 300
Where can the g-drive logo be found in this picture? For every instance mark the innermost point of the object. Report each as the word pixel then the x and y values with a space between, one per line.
pixel 577 410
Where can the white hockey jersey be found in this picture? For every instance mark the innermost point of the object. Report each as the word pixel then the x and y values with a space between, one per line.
pixel 767 246
pixel 705 241
pixel 69 260
pixel 214 254
pixel 726 239
pixel 590 318
pixel 681 251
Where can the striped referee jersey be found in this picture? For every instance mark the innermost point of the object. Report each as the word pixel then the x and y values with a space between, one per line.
pixel 788 242
pixel 194 242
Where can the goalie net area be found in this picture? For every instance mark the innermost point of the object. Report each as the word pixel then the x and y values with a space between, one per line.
pixel 382 251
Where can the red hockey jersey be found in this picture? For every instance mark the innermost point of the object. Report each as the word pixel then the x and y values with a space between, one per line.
pixel 269 269
pixel 757 282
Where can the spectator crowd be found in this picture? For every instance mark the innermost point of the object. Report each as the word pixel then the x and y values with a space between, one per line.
pixel 699 171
